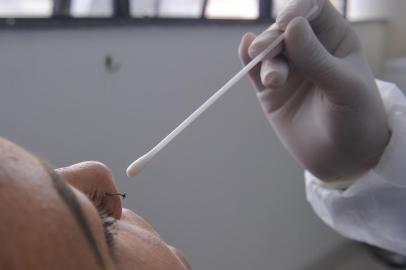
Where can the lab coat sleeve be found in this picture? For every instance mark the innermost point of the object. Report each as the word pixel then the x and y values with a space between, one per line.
pixel 372 208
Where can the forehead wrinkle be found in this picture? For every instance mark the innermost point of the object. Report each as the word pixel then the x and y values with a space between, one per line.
pixel 72 202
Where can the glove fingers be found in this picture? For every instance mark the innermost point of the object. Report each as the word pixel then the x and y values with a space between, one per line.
pixel 306 52
pixel 245 58
pixel 265 39
pixel 273 99
pixel 274 72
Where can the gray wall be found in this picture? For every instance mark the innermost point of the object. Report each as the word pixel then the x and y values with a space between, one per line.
pixel 395 42
pixel 225 192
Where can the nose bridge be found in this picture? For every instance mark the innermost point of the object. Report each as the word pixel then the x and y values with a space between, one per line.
pixel 93 177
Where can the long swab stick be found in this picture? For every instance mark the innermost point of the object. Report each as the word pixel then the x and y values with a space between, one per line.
pixel 139 164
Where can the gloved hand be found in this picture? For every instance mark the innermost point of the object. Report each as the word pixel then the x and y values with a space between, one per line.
pixel 319 93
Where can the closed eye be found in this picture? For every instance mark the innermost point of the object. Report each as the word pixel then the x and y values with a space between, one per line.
pixel 72 202
pixel 99 202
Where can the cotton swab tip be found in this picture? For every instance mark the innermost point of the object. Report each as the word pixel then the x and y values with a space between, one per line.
pixel 137 166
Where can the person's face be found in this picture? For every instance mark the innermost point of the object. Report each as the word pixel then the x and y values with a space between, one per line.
pixel 69 219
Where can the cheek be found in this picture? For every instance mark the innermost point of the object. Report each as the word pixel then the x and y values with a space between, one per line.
pixel 137 248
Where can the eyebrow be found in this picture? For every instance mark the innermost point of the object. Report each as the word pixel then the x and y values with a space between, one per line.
pixel 72 202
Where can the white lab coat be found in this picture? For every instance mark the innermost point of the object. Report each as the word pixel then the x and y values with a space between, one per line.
pixel 372 208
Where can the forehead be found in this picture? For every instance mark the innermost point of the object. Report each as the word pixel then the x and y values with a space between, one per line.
pixel 20 171
pixel 26 185
pixel 34 215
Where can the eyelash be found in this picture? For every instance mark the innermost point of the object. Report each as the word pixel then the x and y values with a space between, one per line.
pixel 107 221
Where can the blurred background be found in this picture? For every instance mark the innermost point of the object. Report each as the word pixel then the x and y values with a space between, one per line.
pixel 107 79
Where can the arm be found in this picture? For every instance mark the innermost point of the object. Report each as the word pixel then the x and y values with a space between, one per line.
pixel 371 209
pixel 347 130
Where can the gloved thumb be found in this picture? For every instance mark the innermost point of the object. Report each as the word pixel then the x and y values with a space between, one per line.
pixel 307 53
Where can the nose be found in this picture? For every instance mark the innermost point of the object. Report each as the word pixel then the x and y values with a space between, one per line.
pixel 94 178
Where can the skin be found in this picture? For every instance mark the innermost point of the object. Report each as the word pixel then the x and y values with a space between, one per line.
pixel 39 231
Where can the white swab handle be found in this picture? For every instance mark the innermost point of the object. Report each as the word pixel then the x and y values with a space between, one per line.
pixel 137 165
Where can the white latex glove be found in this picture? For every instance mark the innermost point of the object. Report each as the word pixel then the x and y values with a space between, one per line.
pixel 319 93
pixel 371 210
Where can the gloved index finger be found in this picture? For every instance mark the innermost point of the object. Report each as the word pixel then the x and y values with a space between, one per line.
pixel 263 40
pixel 245 59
